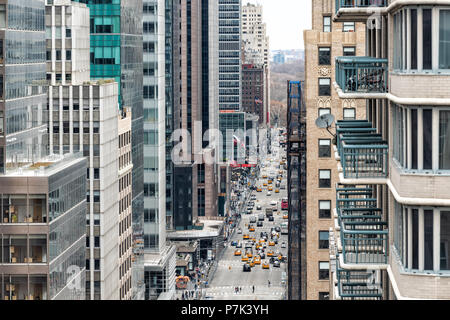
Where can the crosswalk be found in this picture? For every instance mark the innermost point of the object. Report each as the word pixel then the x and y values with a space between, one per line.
pixel 245 291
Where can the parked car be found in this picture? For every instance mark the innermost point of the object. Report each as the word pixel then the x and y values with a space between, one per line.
pixel 283 244
pixel 247 268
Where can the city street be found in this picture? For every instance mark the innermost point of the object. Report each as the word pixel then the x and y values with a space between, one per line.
pixel 230 274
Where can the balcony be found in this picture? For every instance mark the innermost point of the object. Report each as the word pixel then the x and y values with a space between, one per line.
pixel 363 231
pixel 358 10
pixel 362 152
pixel 361 77
pixel 358 284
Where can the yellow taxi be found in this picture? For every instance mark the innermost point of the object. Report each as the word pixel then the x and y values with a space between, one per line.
pixel 277 190
pixel 280 172
pixel 257 260
pixel 238 253
pixel 249 255
pixel 258 190
pixel 266 266
pixel 270 254
pixel 258 246
pixel 262 240
pixel 264 176
pixel 270 189
pixel 252 264
pixel 269 181
pixel 280 257
pixel 254 240
pixel 285 216
pixel 271 244
pixel 246 237
pixel 265 184
pixel 251 229
pixel 244 259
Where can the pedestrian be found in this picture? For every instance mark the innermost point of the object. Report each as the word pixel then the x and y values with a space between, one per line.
pixel 253 288
pixel 268 283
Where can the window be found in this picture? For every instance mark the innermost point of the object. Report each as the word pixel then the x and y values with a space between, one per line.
pixel 444 140
pixel 427 39
pixel 324 148
pixel 413 39
pixel 324 209
pixel 324 237
pixel 445 241
pixel 349 113
pixel 348 27
pixel 323 111
pixel 68 54
pixel 324 178
pixel 327 24
pixel 349 51
pixel 97 242
pixel 324 86
pixel 324 270
pixel 68 33
pixel 325 56
pixel 324 296
pixel 444 39
pixel 58 55
pixel 96 264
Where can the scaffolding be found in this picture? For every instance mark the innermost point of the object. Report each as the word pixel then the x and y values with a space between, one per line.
pixel 296 160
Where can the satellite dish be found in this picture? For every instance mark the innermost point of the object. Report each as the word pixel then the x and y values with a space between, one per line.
pixel 325 121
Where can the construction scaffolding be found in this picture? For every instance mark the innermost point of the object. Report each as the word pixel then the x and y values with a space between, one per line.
pixel 296 160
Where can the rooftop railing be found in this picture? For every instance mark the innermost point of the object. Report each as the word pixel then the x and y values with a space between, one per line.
pixel 359 4
pixel 362 74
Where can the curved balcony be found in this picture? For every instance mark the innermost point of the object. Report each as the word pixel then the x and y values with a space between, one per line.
pixel 358 10
pixel 361 77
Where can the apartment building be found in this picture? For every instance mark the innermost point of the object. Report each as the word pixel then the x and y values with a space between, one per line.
pixel 393 166
pixel 116 53
pixel 195 97
pixel 83 118
pixel 43 196
pixel 253 90
pixel 256 52
pixel 326 41
pixel 125 213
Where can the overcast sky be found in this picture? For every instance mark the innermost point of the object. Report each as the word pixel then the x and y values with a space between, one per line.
pixel 286 20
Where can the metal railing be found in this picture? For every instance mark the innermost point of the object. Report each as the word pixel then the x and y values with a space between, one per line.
pixel 363 229
pixel 363 153
pixel 358 284
pixel 359 4
pixel 362 74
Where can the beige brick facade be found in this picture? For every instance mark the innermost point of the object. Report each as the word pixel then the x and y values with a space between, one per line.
pixel 337 40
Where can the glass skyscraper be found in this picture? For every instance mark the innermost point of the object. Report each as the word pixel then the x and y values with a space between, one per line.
pixel 116 52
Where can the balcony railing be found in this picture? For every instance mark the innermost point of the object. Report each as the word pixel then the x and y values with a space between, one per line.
pixel 363 153
pixel 363 230
pixel 358 284
pixel 362 74
pixel 359 4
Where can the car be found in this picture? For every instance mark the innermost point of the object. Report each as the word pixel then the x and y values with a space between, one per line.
pixel 265 265
pixel 283 244
pixel 239 231
pixel 258 190
pixel 257 260
pixel 258 207
pixel 244 259
pixel 237 253
pixel 234 243
pixel 271 243
pixel 269 194
pixel 246 237
pixel 239 245
pixel 249 211
pixel 277 190
pixel 252 229
pixel 273 203
pixel 277 229
pixel 262 255
pixel 270 189
pixel 285 217
pixel 252 219
pixel 275 240
pixel 270 253
pixel 246 268
pixel 248 245
pixel 269 181
pixel 271 218
pixel 276 264
pixel 261 217
pixel 282 187
pixel 259 224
